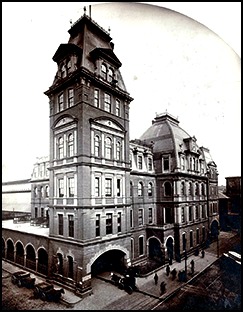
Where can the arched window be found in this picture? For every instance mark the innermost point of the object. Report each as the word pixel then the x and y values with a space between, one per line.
pixel 70 145
pixel 108 148
pixel 60 148
pixel 190 189
pixel 47 191
pixel 70 267
pixel 104 71
pixel 167 189
pixel 35 191
pixel 118 150
pixel 97 146
pixel 202 189
pixel 196 189
pixel 131 188
pixel 42 191
pixel 150 189
pixel 182 188
pixel 182 163
pixel 140 189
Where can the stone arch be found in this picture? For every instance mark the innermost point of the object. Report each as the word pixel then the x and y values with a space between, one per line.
pixel 19 258
pixel 154 249
pixel 214 226
pixel 169 243
pixel 42 265
pixel 30 257
pixel 10 249
pixel 103 251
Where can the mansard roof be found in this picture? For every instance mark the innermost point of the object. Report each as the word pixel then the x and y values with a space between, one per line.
pixel 65 49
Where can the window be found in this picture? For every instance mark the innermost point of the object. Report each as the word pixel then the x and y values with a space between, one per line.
pixel 70 98
pixel 109 223
pixel 118 108
pixel 69 67
pixel 166 163
pixel 184 241
pixel 197 236
pixel 140 217
pixel 71 187
pixel 191 239
pixel 190 213
pixel 150 216
pixel 150 189
pixel 107 103
pixel 182 163
pixel 41 170
pixel 42 191
pixel 118 187
pixel 140 189
pixel 131 218
pixel 140 245
pixel 42 212
pixel 196 212
pixel 149 164
pixel 70 267
pixel 118 150
pixel 167 189
pixel 70 145
pixel 108 148
pixel 60 224
pixel 97 225
pixel 182 188
pixel 119 222
pixel 169 215
pixel 215 207
pixel 196 164
pixel 104 71
pixel 35 192
pixel 132 248
pixel 110 75
pixel 190 191
pixel 63 71
pixel 36 212
pixel 96 98
pixel 60 188
pixel 196 189
pixel 201 167
pixel 193 164
pixel 131 189
pixel 60 148
pixel 97 146
pixel 190 163
pixel 60 102
pixel 108 187
pixel 47 191
pixel 97 187
pixel 204 209
pixel 182 215
pixel 202 189
pixel 140 162
pixel 203 233
pixel 59 264
pixel 70 225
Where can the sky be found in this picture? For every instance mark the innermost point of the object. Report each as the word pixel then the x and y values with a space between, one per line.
pixel 179 57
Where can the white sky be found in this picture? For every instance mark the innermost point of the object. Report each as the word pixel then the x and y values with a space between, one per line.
pixel 169 62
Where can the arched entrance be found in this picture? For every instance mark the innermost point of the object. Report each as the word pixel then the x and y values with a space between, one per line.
pixel 19 253
pixel 30 258
pixel 155 252
pixel 10 250
pixel 112 260
pixel 214 229
pixel 42 266
pixel 170 251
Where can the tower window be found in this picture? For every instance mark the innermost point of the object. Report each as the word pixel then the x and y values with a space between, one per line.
pixel 140 162
pixel 104 71
pixel 70 145
pixel 166 163
pixel 60 102
pixel 97 146
pixel 110 75
pixel 70 97
pixel 96 98
pixel 60 148
pixel 108 148
pixel 118 108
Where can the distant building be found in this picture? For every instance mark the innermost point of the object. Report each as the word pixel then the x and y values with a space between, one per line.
pixel 112 203
pixel 233 191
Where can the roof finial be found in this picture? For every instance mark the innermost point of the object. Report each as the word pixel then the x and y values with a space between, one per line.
pixel 109 30
pixel 71 22
pixel 84 10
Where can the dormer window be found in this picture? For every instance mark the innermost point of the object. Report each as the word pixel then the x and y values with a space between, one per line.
pixel 110 75
pixel 104 71
pixel 69 66
pixel 166 163
pixel 63 71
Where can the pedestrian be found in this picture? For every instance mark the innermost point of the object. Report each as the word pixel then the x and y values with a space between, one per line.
pixel 192 266
pixel 203 253
pixel 156 278
pixel 173 273
pixel 162 288
pixel 167 270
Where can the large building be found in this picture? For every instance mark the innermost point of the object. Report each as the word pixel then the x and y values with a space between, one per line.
pixel 111 203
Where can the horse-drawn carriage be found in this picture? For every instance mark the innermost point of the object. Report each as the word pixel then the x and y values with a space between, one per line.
pixel 47 292
pixel 22 278
pixel 127 282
